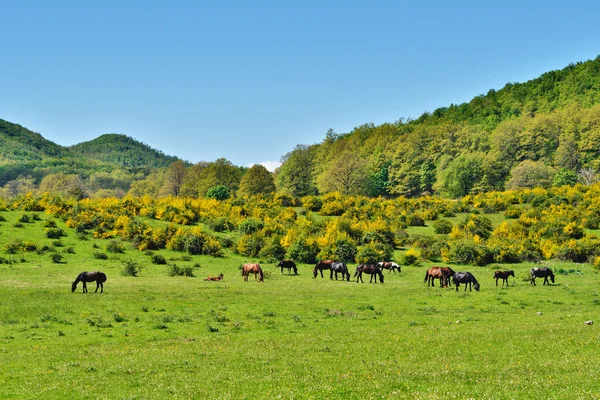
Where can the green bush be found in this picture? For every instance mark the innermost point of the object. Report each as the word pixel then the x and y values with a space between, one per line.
pixel 100 256
pixel 312 203
pixel 219 192
pixel 158 259
pixel 174 270
pixel 250 225
pixel 303 251
pixel 115 246
pixel 54 233
pixel 442 226
pixel 468 252
pixel 131 268
pixel 56 257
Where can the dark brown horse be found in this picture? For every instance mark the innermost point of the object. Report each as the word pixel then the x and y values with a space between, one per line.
pixel 467 279
pixel 372 270
pixel 504 276
pixel 214 278
pixel 322 265
pixel 253 268
pixel 544 272
pixel 97 276
pixel 390 266
pixel 441 273
pixel 289 264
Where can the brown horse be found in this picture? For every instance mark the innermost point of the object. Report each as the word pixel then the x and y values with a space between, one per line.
pixel 214 278
pixel 97 276
pixel 322 265
pixel 372 270
pixel 504 276
pixel 443 273
pixel 391 266
pixel 252 268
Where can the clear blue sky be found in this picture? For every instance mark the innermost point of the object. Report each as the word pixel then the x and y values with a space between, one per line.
pixel 248 80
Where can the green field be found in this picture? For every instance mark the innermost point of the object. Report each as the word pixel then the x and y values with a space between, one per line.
pixel 155 336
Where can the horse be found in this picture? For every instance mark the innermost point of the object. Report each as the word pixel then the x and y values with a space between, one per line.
pixel 253 268
pixel 467 278
pixel 214 278
pixel 339 267
pixel 544 272
pixel 97 276
pixel 504 276
pixel 372 270
pixel 321 265
pixel 289 264
pixel 391 266
pixel 443 273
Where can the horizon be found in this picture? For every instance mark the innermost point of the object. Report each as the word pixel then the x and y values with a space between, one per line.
pixel 202 81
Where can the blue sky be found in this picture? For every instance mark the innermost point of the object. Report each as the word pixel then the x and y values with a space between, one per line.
pixel 248 80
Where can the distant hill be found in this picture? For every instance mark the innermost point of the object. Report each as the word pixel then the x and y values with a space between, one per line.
pixel 18 144
pixel 122 150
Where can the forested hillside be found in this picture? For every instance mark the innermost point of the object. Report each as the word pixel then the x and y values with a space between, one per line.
pixel 122 150
pixel 539 133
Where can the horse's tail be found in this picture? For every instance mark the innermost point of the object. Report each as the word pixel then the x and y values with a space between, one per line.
pixel 102 277
pixel 260 274
pixel 426 276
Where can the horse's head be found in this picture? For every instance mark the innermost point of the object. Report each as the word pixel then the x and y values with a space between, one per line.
pixel 551 276
pixel 380 275
pixel 73 286
pixel 476 286
pixel 511 273
pixel 315 271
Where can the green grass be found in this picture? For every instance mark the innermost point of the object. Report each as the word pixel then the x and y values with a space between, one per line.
pixel 159 337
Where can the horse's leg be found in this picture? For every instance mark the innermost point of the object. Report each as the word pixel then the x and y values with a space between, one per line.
pixel 84 288
pixel 97 286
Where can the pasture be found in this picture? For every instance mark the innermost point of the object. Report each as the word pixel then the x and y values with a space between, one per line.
pixel 156 336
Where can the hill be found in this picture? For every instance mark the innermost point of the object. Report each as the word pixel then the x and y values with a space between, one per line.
pixel 18 144
pixel 122 150
pixel 546 130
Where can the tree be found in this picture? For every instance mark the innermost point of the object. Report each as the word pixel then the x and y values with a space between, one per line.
pixel 257 180
pixel 69 185
pixel 564 177
pixel 347 174
pixel 296 174
pixel 175 177
pixel 588 176
pixel 462 174
pixel 530 174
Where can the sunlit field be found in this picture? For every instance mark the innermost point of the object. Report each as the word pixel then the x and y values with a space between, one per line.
pixel 158 336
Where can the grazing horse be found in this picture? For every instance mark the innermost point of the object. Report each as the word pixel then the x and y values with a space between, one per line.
pixel 214 278
pixel 441 273
pixel 289 264
pixel 321 265
pixel 372 270
pixel 504 276
pixel 341 268
pixel 467 278
pixel 97 276
pixel 253 268
pixel 391 266
pixel 544 272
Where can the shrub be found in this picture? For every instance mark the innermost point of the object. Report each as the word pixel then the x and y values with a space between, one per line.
pixel 12 247
pixel 250 225
pixel 50 224
pixel 372 253
pixel 100 256
pixel 56 257
pixel 220 224
pixel 415 220
pixel 312 203
pixel 442 226
pixel 54 233
pixel 468 252
pixel 411 257
pixel 273 250
pixel 304 251
pixel 251 245
pixel 115 246
pixel 24 218
pixel 175 270
pixel 158 259
pixel 131 268
pixel 513 212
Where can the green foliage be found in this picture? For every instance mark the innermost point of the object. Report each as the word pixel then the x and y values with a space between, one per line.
pixel 219 192
pixel 442 226
pixel 564 177
pixel 131 268
pixel 54 233
pixel 257 181
pixel 304 251
pixel 174 270
pixel 115 246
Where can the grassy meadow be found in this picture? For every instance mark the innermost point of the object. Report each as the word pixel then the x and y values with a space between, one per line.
pixel 293 337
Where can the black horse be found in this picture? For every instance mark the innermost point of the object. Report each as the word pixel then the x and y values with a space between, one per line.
pixel 289 264
pixel 322 265
pixel 97 276
pixel 372 270
pixel 544 272
pixel 341 268
pixel 467 278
